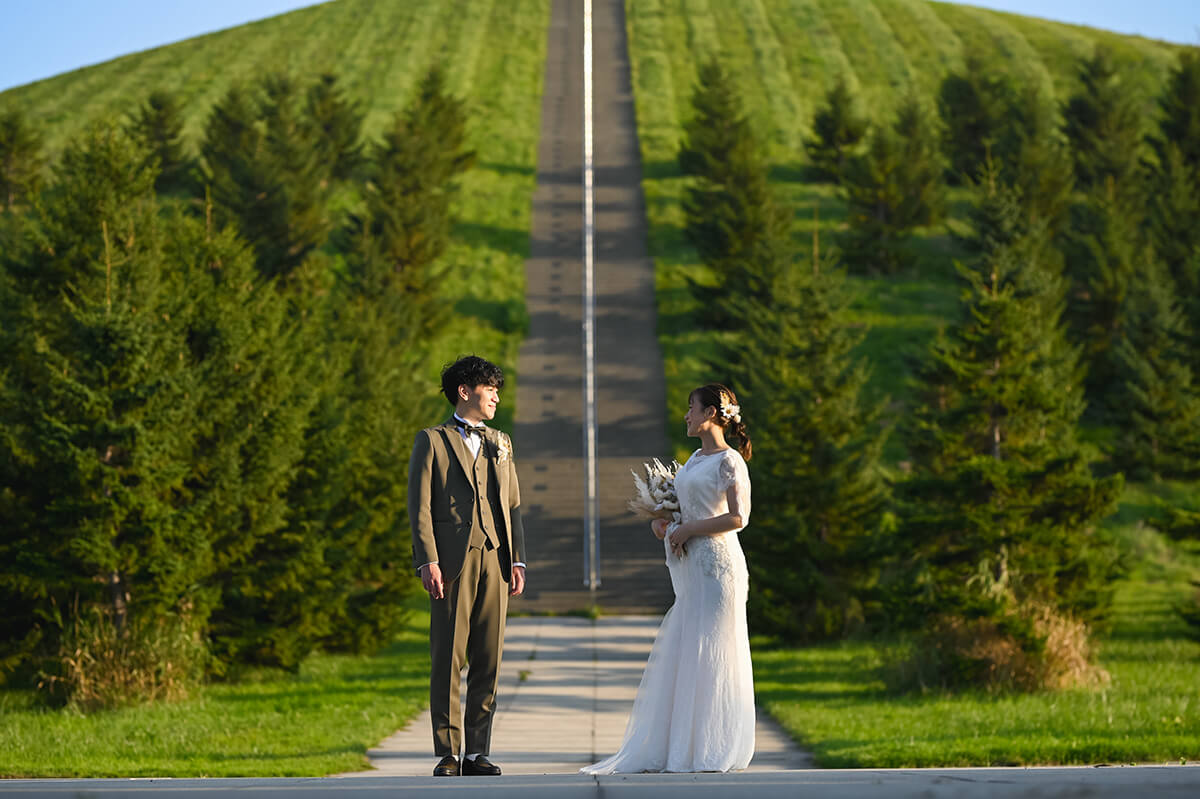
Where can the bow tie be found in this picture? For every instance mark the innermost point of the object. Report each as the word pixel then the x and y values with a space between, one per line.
pixel 470 429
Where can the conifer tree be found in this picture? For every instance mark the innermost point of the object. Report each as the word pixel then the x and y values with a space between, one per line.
pixel 895 187
pixel 718 137
pixel 976 108
pixel 1105 258
pixel 1161 399
pixel 406 228
pixel 255 356
pixel 733 218
pixel 1044 172
pixel 819 494
pixel 838 129
pixel 264 165
pixel 155 414
pixel 1002 506
pixel 158 126
pixel 338 127
pixel 1104 126
pixel 1180 106
pixel 97 403
pixel 21 160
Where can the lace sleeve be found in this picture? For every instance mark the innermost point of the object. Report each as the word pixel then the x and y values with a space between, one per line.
pixel 733 479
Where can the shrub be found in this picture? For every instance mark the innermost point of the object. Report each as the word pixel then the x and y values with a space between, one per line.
pixel 1032 647
pixel 104 664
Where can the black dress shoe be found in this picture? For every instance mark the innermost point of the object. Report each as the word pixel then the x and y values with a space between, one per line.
pixel 480 767
pixel 446 767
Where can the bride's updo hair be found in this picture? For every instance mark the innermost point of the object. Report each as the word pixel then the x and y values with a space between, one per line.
pixel 729 414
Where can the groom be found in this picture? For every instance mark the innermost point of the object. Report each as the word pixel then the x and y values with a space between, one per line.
pixel 469 548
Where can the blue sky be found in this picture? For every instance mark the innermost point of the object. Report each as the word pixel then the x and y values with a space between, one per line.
pixel 40 38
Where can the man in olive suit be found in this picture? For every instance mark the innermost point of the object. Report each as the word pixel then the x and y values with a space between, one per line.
pixel 469 548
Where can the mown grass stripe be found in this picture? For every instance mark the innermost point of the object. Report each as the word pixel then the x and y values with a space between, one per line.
pixel 814 52
pixel 399 68
pixel 931 47
pixel 993 34
pixel 788 110
pixel 369 59
pixel 870 44
pixel 703 36
pixel 650 68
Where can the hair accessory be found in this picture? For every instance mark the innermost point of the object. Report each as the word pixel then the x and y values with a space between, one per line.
pixel 729 411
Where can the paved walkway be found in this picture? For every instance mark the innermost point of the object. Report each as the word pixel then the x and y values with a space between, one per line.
pixel 631 388
pixel 566 688
pixel 1170 782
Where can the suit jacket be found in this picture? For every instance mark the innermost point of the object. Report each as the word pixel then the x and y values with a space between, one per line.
pixel 441 498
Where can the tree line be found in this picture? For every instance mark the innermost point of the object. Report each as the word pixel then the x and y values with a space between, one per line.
pixel 1078 307
pixel 213 365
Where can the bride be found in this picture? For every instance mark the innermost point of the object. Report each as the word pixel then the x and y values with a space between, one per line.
pixel 694 709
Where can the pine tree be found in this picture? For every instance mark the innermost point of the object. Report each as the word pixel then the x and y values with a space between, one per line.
pixel 21 160
pixel 977 109
pixel 733 218
pixel 338 124
pixel 154 409
pixel 97 401
pixel 718 137
pixel 1001 508
pixel 158 126
pixel 895 187
pixel 1161 399
pixel 1104 126
pixel 1044 171
pixel 1106 258
pixel 400 239
pixel 1180 105
pixel 818 491
pixel 255 356
pixel 838 129
pixel 264 165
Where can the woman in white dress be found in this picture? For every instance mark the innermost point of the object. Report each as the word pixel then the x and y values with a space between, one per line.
pixel 695 706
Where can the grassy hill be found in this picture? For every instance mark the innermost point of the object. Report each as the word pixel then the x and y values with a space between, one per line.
pixel 493 52
pixel 785 54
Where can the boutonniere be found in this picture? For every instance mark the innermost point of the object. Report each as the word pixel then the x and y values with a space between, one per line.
pixel 503 449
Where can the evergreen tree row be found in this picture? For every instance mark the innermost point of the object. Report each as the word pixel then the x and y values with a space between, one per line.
pixel 991 542
pixel 212 380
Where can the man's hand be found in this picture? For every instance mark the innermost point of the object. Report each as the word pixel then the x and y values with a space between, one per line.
pixel 431 578
pixel 518 581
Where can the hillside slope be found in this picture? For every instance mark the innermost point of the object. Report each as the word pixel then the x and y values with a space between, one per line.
pixel 493 53
pixel 784 55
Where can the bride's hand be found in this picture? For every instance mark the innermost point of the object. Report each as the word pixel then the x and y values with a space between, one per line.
pixel 659 528
pixel 678 540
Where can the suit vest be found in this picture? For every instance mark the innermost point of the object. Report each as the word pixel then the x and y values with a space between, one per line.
pixel 484 528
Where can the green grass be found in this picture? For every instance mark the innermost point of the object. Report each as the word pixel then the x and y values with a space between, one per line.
pixel 493 53
pixel 833 698
pixel 317 722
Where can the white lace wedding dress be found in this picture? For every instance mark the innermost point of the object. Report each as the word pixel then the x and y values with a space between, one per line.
pixel 695 706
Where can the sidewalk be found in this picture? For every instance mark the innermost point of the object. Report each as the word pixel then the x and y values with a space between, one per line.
pixel 566 688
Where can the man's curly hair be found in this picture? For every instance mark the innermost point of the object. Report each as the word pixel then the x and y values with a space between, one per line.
pixel 471 371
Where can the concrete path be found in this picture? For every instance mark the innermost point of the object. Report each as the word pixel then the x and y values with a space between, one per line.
pixel 631 388
pixel 566 688
pixel 1171 782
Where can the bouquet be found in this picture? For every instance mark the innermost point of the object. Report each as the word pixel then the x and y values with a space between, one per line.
pixel 654 496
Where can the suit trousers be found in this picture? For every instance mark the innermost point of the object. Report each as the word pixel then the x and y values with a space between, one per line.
pixel 467 628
